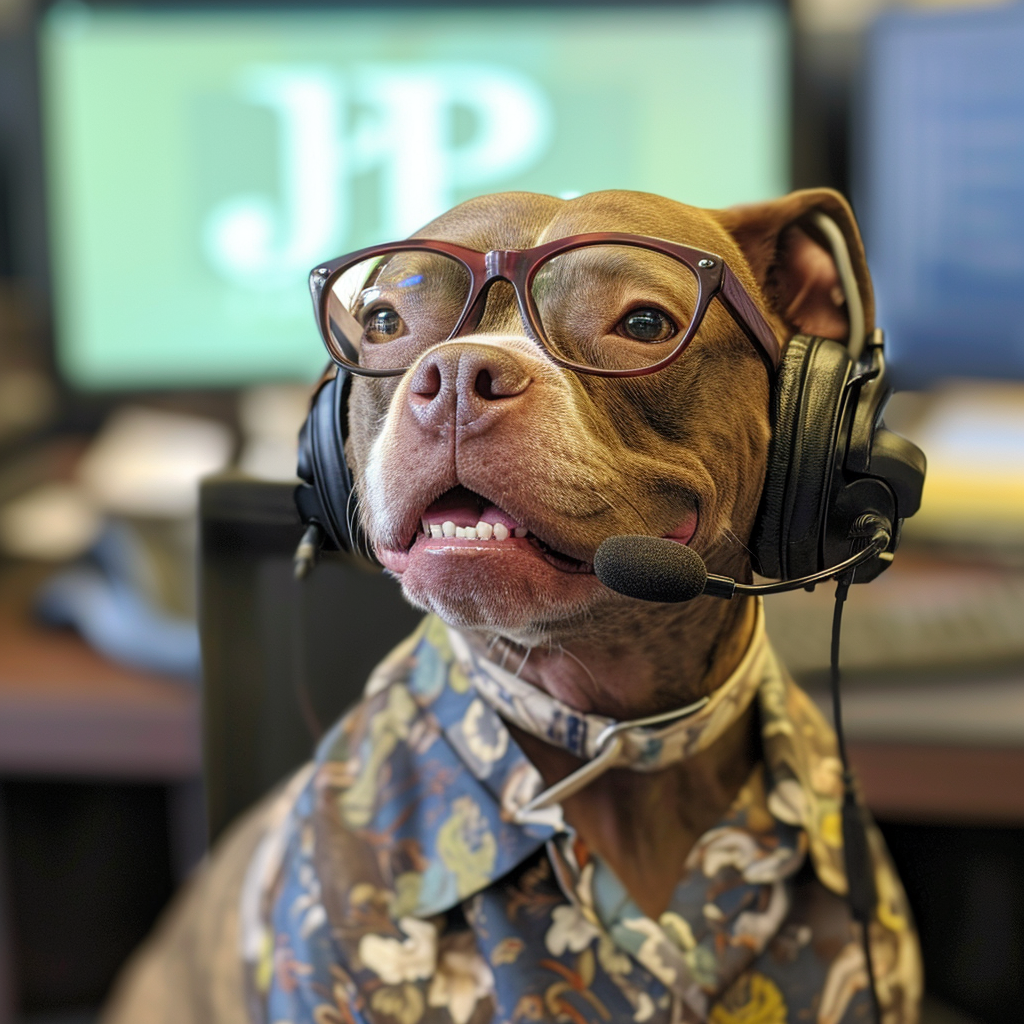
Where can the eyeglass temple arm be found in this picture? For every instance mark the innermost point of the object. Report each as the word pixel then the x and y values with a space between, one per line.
pixel 736 300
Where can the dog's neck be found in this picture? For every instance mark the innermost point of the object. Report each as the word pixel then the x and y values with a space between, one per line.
pixel 680 654
pixel 644 824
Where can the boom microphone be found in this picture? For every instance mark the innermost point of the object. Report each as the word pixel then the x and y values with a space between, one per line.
pixel 650 568
pixel 658 569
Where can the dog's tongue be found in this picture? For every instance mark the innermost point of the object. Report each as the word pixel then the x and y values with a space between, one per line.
pixel 464 508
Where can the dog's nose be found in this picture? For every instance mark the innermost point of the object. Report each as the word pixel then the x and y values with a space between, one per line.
pixel 469 384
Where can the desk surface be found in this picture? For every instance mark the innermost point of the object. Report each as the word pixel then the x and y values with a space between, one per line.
pixel 945 785
pixel 66 710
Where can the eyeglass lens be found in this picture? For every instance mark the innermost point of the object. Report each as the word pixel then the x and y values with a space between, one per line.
pixel 385 311
pixel 614 307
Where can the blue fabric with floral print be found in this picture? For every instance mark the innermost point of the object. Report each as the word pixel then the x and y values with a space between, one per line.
pixel 400 889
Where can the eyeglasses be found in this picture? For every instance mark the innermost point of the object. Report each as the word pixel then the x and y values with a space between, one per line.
pixel 607 304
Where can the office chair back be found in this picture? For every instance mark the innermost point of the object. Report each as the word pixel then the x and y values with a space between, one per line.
pixel 282 659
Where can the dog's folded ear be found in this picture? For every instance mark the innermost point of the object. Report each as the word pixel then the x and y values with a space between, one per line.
pixel 793 263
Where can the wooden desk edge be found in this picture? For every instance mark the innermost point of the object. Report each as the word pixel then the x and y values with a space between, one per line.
pixel 71 741
pixel 941 783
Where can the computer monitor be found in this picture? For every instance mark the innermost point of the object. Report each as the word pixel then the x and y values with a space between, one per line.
pixel 943 190
pixel 200 163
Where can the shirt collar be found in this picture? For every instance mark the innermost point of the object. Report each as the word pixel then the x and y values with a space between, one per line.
pixel 642 747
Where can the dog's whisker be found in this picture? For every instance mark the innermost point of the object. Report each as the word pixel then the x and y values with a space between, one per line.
pixel 350 515
pixel 590 675
pixel 643 522
pixel 522 663
pixel 733 539
pixel 598 493
pixel 623 500
pixel 361 542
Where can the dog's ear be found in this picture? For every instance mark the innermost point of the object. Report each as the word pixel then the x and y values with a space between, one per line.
pixel 793 264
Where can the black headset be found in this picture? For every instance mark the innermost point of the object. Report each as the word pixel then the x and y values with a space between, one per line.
pixel 834 470
pixel 326 499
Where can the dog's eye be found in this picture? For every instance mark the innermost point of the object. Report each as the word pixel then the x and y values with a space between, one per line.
pixel 647 325
pixel 382 324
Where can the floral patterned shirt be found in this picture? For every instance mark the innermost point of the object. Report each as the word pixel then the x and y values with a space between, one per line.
pixel 399 885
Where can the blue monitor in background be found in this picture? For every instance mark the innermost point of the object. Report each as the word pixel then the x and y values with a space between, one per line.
pixel 943 191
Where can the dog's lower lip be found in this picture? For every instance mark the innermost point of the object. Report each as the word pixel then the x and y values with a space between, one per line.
pixel 523 542
pixel 398 559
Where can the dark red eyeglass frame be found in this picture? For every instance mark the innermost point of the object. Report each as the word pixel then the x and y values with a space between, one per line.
pixel 519 267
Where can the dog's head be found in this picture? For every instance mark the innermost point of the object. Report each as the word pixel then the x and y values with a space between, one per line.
pixel 486 428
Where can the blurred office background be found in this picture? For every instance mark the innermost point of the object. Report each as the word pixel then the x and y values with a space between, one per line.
pixel 169 173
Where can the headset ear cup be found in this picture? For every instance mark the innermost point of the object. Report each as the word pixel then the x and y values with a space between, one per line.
pixel 808 411
pixel 322 460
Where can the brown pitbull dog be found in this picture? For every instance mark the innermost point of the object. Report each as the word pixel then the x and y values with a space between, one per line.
pixel 486 426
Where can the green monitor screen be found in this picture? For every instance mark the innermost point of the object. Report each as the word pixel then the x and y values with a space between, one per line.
pixel 200 163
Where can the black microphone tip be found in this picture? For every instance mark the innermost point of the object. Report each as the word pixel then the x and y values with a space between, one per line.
pixel 650 568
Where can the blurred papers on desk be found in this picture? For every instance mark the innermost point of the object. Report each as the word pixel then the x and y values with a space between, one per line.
pixel 148 462
pixel 973 436
pixel 144 465
pixel 124 518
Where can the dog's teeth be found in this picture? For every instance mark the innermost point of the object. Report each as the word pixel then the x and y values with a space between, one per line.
pixel 448 528
pixel 460 531
pixel 521 531
pixel 426 526
pixel 484 530
pixel 435 530
pixel 470 533
pixel 500 531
